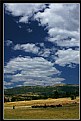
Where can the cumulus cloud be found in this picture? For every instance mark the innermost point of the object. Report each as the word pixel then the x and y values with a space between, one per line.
pixel 24 19
pixel 44 52
pixel 29 30
pixel 62 21
pixel 61 57
pixel 35 49
pixel 7 83
pixel 68 42
pixel 9 42
pixel 61 15
pixel 27 47
pixel 45 17
pixel 62 24
pixel 68 56
pixel 64 37
pixel 21 62
pixel 37 70
pixel 23 10
pixel 41 44
pixel 20 27
pixel 44 83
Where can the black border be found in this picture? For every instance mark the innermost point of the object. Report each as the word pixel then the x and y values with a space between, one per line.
pixel 1 39
pixel 40 1
pixel 1 60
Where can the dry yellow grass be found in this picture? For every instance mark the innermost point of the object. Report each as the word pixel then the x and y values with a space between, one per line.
pixel 69 111
pixel 43 101
pixel 64 112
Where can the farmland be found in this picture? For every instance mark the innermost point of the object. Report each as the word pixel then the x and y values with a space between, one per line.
pixel 69 109
pixel 40 102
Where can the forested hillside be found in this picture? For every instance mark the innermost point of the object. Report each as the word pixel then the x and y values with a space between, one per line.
pixel 41 92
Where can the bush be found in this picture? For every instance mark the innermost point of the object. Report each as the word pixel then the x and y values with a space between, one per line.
pixel 56 94
pixel 73 97
pixel 13 99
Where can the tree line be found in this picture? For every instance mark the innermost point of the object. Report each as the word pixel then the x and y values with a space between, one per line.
pixel 56 94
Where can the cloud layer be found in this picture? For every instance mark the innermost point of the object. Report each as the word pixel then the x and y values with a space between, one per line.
pixel 34 71
pixel 27 47
pixel 68 56
pixel 9 42
pixel 62 22
pixel 62 57
pixel 23 10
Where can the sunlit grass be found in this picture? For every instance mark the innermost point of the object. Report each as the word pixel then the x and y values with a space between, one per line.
pixel 70 111
pixel 42 101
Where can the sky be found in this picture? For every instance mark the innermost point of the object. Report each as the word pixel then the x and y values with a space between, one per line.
pixel 41 44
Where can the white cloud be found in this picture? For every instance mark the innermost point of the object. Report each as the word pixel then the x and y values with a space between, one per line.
pixel 27 47
pixel 60 15
pixel 42 82
pixel 20 27
pixel 33 48
pixel 9 42
pixel 46 16
pixel 61 37
pixel 68 43
pixel 67 57
pixel 24 10
pixel 62 21
pixel 17 47
pixel 24 19
pixel 62 33
pixel 7 83
pixel 32 63
pixel 29 30
pixel 42 44
pixel 44 52
pixel 32 70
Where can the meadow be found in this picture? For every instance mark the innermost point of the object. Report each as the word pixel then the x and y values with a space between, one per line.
pixel 69 110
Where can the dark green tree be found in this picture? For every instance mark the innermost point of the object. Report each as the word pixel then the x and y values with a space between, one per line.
pixel 56 94
pixel 13 99
pixel 73 97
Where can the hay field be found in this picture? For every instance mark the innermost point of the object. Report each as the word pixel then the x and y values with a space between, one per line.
pixel 69 110
pixel 42 101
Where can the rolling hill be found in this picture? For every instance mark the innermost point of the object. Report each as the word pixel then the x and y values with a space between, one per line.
pixel 42 92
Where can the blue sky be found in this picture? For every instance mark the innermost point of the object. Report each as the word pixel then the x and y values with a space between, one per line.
pixel 41 44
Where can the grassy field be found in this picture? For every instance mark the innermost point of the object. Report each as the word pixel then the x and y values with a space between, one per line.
pixel 42 101
pixel 69 110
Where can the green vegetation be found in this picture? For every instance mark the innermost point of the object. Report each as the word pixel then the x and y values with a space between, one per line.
pixel 40 92
pixel 70 111
pixel 73 97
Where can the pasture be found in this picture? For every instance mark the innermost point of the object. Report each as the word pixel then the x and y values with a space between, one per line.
pixel 23 109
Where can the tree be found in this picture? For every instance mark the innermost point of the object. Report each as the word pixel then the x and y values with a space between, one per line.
pixel 73 97
pixel 13 99
pixel 56 94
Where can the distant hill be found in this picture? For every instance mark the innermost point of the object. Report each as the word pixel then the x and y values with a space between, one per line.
pixel 41 92
pixel 68 88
